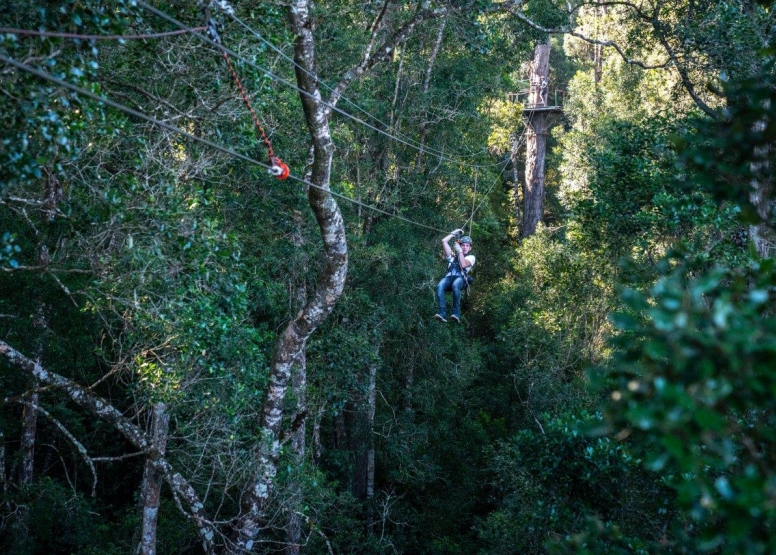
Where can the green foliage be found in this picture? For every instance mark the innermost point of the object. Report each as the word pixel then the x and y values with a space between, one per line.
pixel 171 271
pixel 633 203
pixel 552 478
pixel 64 521
pixel 694 381
pixel 726 158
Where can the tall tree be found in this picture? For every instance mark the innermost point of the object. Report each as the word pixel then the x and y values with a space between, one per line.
pixel 537 114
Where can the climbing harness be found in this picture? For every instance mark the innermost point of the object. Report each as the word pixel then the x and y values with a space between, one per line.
pixel 454 266
pixel 278 168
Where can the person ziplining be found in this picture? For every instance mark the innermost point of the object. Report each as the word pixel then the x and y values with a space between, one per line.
pixel 459 265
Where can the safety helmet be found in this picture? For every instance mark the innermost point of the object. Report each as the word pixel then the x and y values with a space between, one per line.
pixel 465 239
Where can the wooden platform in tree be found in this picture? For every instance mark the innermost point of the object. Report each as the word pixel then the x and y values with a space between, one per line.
pixel 551 109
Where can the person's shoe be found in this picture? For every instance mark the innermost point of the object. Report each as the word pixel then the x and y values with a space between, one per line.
pixel 455 319
pixel 441 318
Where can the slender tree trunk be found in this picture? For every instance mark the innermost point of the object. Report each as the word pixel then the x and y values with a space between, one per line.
pixel 150 491
pixel 26 469
pixel 3 478
pixel 408 383
pixel 29 430
pixel 317 447
pixel 536 142
pixel 361 428
pixel 370 458
pixel 299 384
pixel 598 49
pixel 426 87
pixel 514 152
pixel 762 187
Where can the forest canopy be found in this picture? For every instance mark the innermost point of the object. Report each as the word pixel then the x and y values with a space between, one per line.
pixel 202 353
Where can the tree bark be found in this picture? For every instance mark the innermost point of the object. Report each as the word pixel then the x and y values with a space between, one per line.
pixel 514 152
pixel 299 383
pixel 150 491
pixel 291 344
pixel 370 460
pixel 536 141
pixel 761 234
pixel 3 479
pixel 29 429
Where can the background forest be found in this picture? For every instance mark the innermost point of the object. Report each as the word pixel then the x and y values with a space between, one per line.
pixel 200 358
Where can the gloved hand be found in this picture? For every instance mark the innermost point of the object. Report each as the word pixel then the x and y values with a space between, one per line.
pixel 457 248
pixel 457 232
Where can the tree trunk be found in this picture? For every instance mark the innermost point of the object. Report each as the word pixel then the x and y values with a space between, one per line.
pixel 761 234
pixel 598 49
pixel 317 447
pixel 3 479
pixel 426 86
pixel 370 459
pixel 362 439
pixel 151 488
pixel 299 383
pixel 290 348
pixel 536 141
pixel 514 152
pixel 29 429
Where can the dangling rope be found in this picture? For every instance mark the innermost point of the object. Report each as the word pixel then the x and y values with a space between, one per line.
pixel 474 199
pixel 277 167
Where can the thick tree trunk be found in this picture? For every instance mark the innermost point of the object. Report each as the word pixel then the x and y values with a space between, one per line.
pixel 150 491
pixel 533 187
pixel 536 141
pixel 295 501
pixel 290 347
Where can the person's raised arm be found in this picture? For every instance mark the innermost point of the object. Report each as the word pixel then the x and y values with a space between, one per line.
pixel 446 241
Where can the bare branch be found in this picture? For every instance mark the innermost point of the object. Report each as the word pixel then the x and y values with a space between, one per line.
pixel 107 412
pixel 384 51
pixel 78 445
pixel 652 19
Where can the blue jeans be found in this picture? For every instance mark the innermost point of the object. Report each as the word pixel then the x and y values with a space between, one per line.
pixel 454 284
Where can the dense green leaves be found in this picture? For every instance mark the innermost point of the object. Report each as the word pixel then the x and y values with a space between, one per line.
pixel 154 269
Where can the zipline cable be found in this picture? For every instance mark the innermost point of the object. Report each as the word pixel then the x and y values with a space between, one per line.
pixel 520 142
pixel 435 152
pixel 279 79
pixel 126 109
pixel 30 32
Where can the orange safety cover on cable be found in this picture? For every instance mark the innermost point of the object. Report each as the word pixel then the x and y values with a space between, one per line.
pixel 279 169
